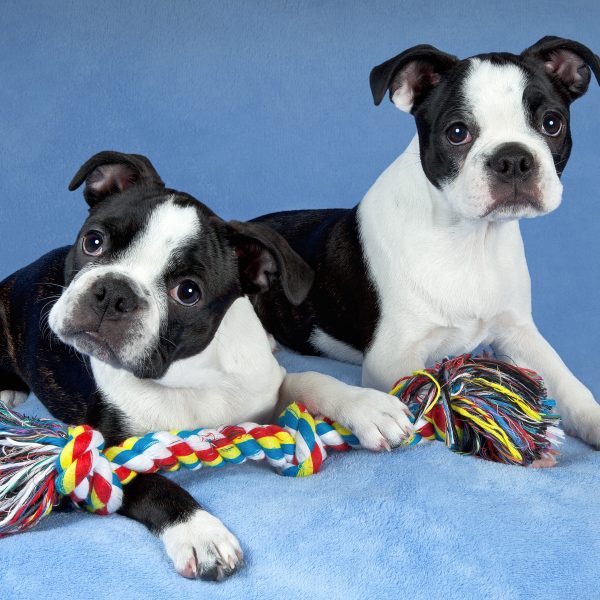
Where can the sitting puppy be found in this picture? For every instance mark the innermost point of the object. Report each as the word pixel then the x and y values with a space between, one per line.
pixel 143 325
pixel 431 262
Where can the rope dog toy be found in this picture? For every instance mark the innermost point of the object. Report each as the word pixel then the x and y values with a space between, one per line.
pixel 479 406
pixel 483 407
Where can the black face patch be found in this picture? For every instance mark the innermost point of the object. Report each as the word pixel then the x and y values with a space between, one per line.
pixel 541 99
pixel 436 115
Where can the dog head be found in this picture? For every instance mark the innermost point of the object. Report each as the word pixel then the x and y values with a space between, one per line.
pixel 153 271
pixel 493 130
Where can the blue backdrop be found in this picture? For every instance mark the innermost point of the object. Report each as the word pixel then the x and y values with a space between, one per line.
pixel 260 106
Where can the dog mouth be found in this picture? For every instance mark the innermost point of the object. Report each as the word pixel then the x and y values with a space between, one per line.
pixel 94 344
pixel 514 205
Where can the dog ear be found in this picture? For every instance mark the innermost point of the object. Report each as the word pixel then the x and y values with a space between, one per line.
pixel 108 173
pixel 567 62
pixel 410 75
pixel 264 256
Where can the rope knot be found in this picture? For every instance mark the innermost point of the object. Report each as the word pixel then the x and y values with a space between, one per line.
pixel 85 474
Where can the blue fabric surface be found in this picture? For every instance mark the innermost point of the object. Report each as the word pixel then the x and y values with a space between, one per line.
pixel 260 106
pixel 419 522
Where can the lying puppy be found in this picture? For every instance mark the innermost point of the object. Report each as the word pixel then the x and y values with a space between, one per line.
pixel 431 261
pixel 143 325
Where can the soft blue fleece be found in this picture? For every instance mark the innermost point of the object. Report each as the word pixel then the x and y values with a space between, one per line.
pixel 261 106
pixel 419 522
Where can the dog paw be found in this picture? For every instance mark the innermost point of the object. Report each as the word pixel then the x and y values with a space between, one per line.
pixel 202 547
pixel 12 398
pixel 546 461
pixel 378 420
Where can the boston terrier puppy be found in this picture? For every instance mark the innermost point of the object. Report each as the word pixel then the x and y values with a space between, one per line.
pixel 431 261
pixel 144 324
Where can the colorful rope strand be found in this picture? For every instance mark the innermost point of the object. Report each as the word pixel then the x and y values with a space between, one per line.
pixel 482 406
pixel 478 406
pixel 42 460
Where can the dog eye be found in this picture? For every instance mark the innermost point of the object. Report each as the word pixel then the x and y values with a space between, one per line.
pixel 458 133
pixel 186 293
pixel 92 242
pixel 552 124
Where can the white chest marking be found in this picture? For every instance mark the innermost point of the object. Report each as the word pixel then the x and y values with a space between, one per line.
pixel 235 379
pixel 441 279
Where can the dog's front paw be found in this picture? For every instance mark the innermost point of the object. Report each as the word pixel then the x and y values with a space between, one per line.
pixel 12 398
pixel 378 420
pixel 202 547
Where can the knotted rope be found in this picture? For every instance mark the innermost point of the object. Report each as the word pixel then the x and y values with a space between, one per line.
pixel 476 406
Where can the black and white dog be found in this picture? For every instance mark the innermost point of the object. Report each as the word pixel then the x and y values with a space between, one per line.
pixel 431 261
pixel 144 325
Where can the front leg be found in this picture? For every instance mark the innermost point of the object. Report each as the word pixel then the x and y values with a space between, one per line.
pixel 579 412
pixel 197 542
pixel 378 420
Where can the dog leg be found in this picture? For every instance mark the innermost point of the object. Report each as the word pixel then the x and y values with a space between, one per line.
pixel 385 363
pixel 579 412
pixel 378 420
pixel 199 545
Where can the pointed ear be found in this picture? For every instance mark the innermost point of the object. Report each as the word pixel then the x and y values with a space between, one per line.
pixel 410 75
pixel 108 173
pixel 265 256
pixel 568 63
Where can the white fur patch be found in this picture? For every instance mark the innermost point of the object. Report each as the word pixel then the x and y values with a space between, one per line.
pixel 12 398
pixel 202 545
pixel 441 280
pixel 235 379
pixel 334 348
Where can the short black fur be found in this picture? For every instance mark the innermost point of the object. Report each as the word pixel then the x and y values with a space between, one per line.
pixel 342 300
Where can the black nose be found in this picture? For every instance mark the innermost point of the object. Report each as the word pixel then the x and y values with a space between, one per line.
pixel 512 162
pixel 113 297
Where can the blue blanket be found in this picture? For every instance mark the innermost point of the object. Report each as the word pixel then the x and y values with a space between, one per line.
pixel 420 522
pixel 260 106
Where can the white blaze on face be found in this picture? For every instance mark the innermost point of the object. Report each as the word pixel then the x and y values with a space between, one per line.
pixel 167 231
pixel 493 94
pixel 144 263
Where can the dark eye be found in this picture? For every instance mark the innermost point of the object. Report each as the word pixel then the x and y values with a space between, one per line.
pixel 552 124
pixel 186 293
pixel 458 133
pixel 92 243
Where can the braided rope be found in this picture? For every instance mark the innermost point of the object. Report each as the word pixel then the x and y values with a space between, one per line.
pixel 93 476
pixel 475 405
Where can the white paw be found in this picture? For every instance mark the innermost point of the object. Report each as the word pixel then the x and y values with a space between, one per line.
pixel 12 398
pixel 201 546
pixel 378 420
